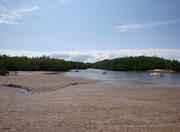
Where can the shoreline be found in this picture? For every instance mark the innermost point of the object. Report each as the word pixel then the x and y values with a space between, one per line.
pixel 86 105
pixel 41 81
pixel 165 71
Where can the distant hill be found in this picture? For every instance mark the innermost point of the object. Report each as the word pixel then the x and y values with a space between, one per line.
pixel 140 63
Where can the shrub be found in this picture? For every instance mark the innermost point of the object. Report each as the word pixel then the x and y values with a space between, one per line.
pixel 3 71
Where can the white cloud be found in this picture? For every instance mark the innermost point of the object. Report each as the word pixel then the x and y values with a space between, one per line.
pixel 131 27
pixel 11 16
pixel 97 55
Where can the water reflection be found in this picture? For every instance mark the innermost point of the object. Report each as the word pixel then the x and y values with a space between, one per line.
pixel 168 79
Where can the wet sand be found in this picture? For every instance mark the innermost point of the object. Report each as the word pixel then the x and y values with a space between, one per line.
pixel 86 106
pixel 42 81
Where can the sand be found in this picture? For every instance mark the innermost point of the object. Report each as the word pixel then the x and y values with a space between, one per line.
pixel 42 81
pixel 87 106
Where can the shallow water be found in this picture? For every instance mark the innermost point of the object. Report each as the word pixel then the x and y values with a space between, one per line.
pixel 137 78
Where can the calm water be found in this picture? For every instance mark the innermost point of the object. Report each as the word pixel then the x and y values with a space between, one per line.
pixel 168 80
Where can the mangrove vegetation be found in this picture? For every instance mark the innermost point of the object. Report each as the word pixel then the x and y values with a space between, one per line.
pixel 45 63
pixel 140 63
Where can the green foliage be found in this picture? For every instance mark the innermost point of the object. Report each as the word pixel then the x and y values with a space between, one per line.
pixel 3 71
pixel 45 63
pixel 38 64
pixel 176 66
pixel 140 63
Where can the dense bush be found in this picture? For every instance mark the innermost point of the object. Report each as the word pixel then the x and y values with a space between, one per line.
pixel 3 71
pixel 140 63
pixel 38 64
pixel 175 65
pixel 45 63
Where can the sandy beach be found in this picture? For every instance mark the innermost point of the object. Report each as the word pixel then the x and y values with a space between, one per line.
pixel 59 103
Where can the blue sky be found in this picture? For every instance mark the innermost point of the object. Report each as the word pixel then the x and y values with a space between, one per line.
pixel 90 25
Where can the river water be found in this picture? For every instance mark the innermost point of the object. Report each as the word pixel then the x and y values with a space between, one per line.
pixel 168 79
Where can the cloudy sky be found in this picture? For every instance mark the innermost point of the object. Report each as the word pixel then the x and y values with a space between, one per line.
pixel 90 30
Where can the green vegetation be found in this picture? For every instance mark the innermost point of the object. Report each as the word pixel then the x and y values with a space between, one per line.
pixel 38 64
pixel 45 63
pixel 140 63
pixel 3 71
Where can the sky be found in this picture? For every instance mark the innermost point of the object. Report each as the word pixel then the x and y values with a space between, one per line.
pixel 90 30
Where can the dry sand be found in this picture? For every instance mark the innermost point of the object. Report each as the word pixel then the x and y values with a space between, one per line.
pixel 86 107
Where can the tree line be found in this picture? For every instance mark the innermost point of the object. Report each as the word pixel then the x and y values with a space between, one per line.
pixel 45 63
pixel 140 63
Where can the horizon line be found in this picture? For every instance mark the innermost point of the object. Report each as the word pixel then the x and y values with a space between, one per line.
pixel 97 55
